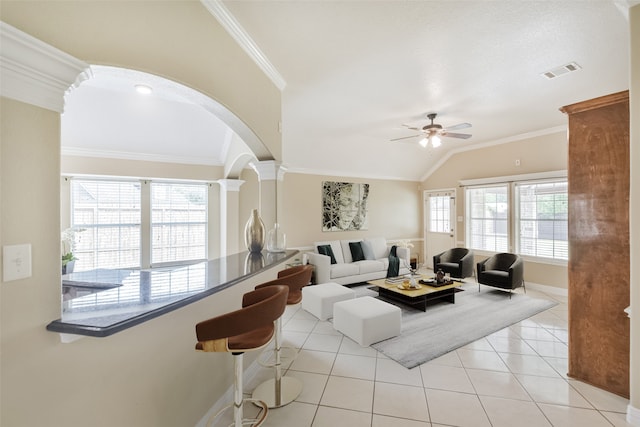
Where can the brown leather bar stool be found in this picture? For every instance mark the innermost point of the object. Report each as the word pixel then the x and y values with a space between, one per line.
pixel 246 329
pixel 281 390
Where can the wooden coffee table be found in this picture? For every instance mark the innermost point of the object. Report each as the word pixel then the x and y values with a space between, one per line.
pixel 418 298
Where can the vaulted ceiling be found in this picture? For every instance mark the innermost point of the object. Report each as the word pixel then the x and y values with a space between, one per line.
pixel 358 73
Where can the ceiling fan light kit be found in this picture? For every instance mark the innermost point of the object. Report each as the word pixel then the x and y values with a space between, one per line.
pixel 433 131
pixel 435 141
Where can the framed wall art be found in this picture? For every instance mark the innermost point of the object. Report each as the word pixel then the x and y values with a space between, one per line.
pixel 344 206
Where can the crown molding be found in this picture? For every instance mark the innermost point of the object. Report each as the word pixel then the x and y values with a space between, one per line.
pixel 36 73
pixel 233 27
pixel 269 170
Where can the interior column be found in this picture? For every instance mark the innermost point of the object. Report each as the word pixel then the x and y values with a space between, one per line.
pixel 229 213
pixel 270 174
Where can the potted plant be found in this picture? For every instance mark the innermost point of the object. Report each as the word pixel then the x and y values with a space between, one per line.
pixel 68 243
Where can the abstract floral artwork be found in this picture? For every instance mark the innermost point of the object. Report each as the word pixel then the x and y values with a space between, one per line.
pixel 344 206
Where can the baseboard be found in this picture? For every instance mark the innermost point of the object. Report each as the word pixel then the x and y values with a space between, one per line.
pixel 633 416
pixel 547 289
pixel 227 398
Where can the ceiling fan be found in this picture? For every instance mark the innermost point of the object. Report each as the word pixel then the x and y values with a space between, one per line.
pixel 433 131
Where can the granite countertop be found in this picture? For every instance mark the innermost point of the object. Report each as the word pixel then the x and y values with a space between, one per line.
pixel 103 302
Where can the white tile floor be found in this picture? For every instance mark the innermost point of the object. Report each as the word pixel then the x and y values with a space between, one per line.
pixel 515 377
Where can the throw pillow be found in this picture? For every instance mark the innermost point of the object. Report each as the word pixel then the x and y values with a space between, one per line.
pixel 326 250
pixel 367 250
pixel 356 251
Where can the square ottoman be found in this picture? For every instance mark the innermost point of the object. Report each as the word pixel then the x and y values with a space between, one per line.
pixel 319 299
pixel 367 320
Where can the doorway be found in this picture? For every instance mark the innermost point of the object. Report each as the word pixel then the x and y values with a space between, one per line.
pixel 439 223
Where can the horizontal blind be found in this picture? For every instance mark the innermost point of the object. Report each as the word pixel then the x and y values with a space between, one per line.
pixel 109 212
pixel 542 219
pixel 487 218
pixel 178 222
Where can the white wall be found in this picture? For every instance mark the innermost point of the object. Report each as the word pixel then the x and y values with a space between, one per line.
pixel 634 216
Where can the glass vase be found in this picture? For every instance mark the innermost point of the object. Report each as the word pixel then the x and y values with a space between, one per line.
pixel 276 239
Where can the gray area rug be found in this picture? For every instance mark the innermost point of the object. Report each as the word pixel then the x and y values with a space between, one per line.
pixel 445 327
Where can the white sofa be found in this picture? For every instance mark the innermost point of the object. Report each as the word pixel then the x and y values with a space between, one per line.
pixel 345 271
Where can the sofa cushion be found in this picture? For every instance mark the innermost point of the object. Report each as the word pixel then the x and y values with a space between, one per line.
pixel 367 250
pixel 335 247
pixel 326 250
pixel 379 246
pixel 344 269
pixel 356 251
pixel 371 266
pixel 346 249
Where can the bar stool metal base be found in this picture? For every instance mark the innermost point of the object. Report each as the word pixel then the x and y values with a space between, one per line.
pixel 254 422
pixel 267 358
pixel 290 389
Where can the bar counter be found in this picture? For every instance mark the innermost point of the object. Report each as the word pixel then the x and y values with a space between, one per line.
pixel 102 302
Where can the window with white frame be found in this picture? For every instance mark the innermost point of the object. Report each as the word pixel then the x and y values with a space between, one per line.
pixel 439 214
pixel 542 219
pixel 108 215
pixel 178 222
pixel 487 212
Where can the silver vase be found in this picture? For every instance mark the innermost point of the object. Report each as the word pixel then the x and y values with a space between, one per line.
pixel 254 232
pixel 253 262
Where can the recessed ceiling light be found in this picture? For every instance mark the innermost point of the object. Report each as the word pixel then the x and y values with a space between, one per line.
pixel 143 89
pixel 561 70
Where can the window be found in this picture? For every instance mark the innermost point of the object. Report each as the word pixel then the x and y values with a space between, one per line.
pixel 542 219
pixel 527 216
pixel 178 222
pixel 114 215
pixel 108 213
pixel 439 216
pixel 487 218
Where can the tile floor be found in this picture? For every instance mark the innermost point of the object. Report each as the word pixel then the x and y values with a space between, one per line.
pixel 515 377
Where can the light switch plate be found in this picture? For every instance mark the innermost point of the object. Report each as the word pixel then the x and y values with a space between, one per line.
pixel 16 262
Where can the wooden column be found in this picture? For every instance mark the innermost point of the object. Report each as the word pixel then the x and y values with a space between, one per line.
pixel 598 174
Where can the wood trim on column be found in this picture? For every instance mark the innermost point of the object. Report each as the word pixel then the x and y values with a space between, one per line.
pixel 599 251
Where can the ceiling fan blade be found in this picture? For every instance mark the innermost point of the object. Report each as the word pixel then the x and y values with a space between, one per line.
pixel 460 126
pixel 404 137
pixel 411 127
pixel 456 135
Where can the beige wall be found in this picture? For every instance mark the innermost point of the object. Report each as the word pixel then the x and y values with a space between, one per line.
pixel 537 154
pixel 75 165
pixel 149 375
pixel 394 210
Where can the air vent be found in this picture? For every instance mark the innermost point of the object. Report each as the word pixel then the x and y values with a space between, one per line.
pixel 561 70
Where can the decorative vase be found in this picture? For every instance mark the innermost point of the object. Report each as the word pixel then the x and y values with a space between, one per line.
pixel 254 233
pixel 276 239
pixel 68 267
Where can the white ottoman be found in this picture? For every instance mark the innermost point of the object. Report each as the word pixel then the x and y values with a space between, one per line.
pixel 367 320
pixel 319 299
